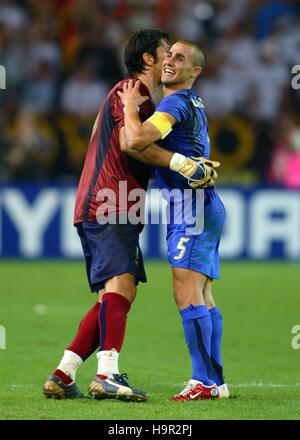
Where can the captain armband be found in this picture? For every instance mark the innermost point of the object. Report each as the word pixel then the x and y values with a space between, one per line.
pixel 161 122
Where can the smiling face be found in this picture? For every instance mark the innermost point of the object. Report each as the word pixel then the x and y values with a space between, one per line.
pixel 180 66
pixel 160 57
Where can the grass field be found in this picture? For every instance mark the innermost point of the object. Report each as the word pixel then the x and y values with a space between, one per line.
pixel 42 303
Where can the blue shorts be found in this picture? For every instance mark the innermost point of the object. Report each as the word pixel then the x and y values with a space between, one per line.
pixel 199 252
pixel 110 250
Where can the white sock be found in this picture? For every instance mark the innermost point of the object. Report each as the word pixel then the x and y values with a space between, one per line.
pixel 69 364
pixel 108 362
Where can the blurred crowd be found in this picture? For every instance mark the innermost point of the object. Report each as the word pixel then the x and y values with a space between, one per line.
pixel 62 57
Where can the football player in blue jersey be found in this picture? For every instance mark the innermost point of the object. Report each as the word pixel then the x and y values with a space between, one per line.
pixel 179 124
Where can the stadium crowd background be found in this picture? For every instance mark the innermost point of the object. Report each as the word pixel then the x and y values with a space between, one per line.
pixel 62 57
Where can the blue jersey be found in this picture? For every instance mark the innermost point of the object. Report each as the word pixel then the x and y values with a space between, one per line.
pixel 189 135
pixel 199 250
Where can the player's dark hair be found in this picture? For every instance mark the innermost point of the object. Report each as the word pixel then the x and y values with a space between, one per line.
pixel 144 41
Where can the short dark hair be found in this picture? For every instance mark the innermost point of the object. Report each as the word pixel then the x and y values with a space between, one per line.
pixel 144 41
pixel 199 57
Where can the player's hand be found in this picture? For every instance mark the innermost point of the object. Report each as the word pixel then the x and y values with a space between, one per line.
pixel 131 94
pixel 198 171
pixel 210 173
pixel 210 163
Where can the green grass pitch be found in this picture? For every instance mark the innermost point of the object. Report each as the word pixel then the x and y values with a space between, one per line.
pixel 41 305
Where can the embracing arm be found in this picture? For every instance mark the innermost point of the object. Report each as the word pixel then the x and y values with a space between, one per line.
pixel 152 155
pixel 142 134
pixel 158 156
pixel 139 136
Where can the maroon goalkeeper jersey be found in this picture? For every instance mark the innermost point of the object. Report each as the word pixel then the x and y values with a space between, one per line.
pixel 105 164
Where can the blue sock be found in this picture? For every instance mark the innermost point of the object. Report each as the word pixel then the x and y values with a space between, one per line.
pixel 216 341
pixel 196 321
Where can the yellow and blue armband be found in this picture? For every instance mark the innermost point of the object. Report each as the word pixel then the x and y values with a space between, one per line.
pixel 161 122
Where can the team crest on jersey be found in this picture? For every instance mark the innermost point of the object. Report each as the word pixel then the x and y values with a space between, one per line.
pixel 197 102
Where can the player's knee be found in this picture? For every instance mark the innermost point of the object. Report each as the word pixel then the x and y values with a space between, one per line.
pixel 130 293
pixel 209 304
pixel 182 298
pixel 186 295
pixel 208 296
pixel 100 294
pixel 124 285
pixel 128 287
pixel 182 303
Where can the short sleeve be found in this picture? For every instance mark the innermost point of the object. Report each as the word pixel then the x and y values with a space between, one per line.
pixel 176 106
pixel 117 110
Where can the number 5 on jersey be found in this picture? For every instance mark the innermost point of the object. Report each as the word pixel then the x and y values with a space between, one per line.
pixel 181 247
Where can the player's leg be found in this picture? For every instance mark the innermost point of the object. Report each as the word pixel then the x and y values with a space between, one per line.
pixel 216 340
pixel 188 287
pixel 61 384
pixel 199 253
pixel 82 346
pixel 121 267
pixel 196 320
pixel 119 293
